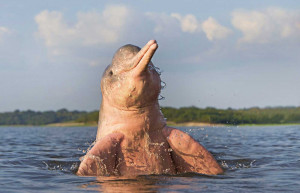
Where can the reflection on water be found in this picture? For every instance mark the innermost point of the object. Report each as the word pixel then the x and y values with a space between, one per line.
pixel 151 183
pixel 255 159
pixel 112 184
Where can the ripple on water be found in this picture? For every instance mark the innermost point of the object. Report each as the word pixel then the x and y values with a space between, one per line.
pixel 255 159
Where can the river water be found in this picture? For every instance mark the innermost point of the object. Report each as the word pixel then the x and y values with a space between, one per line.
pixel 255 159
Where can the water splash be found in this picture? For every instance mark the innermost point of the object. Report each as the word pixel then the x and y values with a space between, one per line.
pixel 238 163
pixel 63 166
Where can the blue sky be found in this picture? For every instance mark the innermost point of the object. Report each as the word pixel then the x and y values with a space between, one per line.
pixel 220 54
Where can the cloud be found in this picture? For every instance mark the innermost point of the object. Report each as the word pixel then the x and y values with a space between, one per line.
pixel 92 28
pixel 3 31
pixel 94 31
pixel 176 24
pixel 214 30
pixel 269 25
pixel 188 23
pixel 164 24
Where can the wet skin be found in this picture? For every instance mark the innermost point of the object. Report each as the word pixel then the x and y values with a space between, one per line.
pixel 132 137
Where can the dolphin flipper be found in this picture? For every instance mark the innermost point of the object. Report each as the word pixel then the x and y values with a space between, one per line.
pixel 101 159
pixel 188 155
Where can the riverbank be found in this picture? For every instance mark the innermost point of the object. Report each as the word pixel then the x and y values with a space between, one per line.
pixel 187 116
pixel 72 124
pixel 94 124
pixel 169 123
pixel 194 124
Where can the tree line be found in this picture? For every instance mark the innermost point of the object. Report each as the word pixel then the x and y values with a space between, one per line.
pixel 255 115
pixel 30 117
pixel 278 115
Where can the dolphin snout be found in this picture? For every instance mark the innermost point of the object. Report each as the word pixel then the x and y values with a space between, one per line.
pixel 144 56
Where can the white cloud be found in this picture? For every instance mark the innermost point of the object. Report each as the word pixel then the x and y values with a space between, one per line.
pixel 272 24
pixel 214 30
pixel 175 23
pixel 188 23
pixel 3 31
pixel 92 28
pixel 164 24
pixel 116 24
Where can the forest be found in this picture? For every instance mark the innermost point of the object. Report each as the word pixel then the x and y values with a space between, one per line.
pixel 30 117
pixel 255 115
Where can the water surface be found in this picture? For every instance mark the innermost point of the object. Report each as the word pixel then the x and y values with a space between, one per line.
pixel 255 159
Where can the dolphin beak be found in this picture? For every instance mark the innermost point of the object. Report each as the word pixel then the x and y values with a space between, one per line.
pixel 143 57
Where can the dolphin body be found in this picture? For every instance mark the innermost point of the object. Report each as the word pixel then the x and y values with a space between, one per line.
pixel 133 137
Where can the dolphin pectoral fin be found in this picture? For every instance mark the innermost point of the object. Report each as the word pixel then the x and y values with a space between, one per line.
pixel 101 159
pixel 143 58
pixel 189 155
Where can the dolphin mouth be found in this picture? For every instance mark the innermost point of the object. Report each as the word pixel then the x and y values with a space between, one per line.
pixel 144 56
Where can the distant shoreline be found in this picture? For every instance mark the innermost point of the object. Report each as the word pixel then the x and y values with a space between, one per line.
pixel 186 124
pixel 72 124
pixel 94 124
pixel 184 116
pixel 194 124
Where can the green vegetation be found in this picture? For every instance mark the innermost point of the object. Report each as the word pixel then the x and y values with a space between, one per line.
pixel 30 117
pixel 278 115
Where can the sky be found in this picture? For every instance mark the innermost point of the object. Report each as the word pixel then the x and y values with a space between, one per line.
pixel 223 54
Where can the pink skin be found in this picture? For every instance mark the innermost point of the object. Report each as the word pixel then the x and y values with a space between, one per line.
pixel 132 137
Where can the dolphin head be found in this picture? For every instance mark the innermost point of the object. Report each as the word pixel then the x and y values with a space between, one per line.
pixel 131 80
